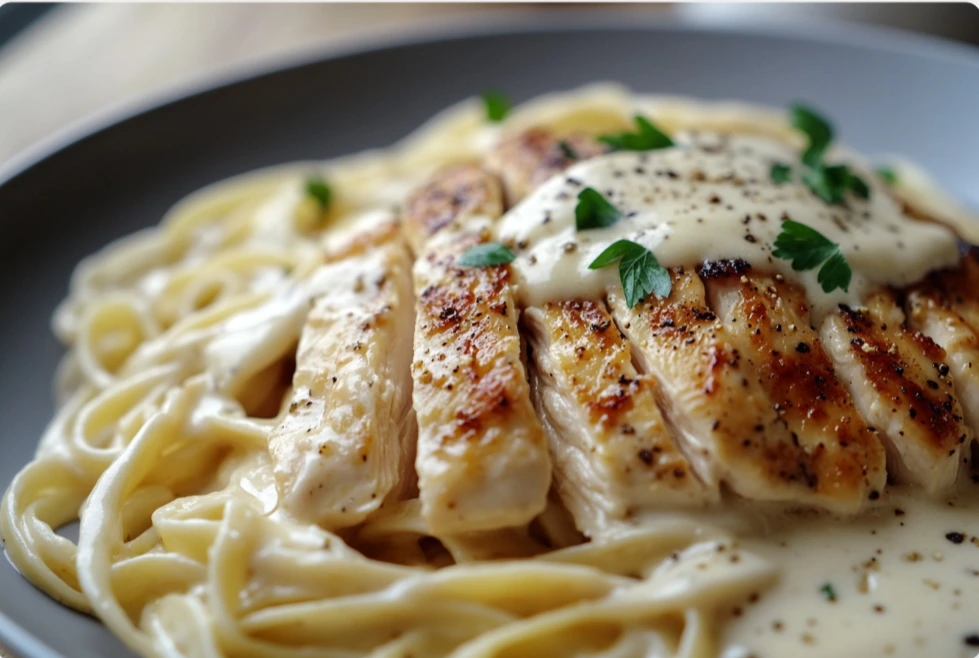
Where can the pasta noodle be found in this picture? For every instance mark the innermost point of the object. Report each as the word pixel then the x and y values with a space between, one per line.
pixel 180 341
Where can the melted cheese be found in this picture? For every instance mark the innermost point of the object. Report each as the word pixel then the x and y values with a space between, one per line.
pixel 710 198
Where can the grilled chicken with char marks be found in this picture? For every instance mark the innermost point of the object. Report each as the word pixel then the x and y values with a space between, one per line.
pixel 348 439
pixel 899 381
pixel 482 459
pixel 731 382
pixel 945 308
pixel 715 399
pixel 529 158
pixel 613 454
pixel 840 458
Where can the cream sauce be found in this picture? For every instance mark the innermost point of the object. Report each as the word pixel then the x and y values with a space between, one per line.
pixel 905 578
pixel 709 198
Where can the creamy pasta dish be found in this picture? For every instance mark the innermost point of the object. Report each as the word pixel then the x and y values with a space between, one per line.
pixel 603 374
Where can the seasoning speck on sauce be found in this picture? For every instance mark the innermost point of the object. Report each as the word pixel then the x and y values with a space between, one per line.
pixel 955 537
pixel 705 168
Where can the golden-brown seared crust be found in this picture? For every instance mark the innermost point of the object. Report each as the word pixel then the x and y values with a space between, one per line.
pixel 839 458
pixel 900 382
pixel 482 457
pixel 584 332
pixel 945 307
pixel 362 241
pixel 612 451
pixel 529 158
pixel 928 399
pixel 458 192
pixel 714 398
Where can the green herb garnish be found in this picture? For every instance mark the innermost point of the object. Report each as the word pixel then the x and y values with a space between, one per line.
pixel 639 270
pixel 486 254
pixel 808 249
pixel 816 128
pixel 319 189
pixel 646 138
pixel 829 182
pixel 857 185
pixel 781 173
pixel 566 149
pixel 829 592
pixel 887 175
pixel 594 211
pixel 497 105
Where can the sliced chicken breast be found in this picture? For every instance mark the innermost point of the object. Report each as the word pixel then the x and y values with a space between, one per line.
pixel 946 309
pixel 613 454
pixel 462 198
pixel 529 158
pixel 482 456
pixel 899 381
pixel 347 441
pixel 769 324
pixel 713 396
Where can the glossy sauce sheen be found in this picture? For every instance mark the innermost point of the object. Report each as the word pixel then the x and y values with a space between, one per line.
pixel 905 578
pixel 711 197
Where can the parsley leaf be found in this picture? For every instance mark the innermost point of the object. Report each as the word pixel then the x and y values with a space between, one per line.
pixel 497 105
pixel 639 271
pixel 857 185
pixel 320 190
pixel 615 251
pixel 804 246
pixel 829 182
pixel 816 128
pixel 781 173
pixel 829 592
pixel 835 273
pixel 646 138
pixel 887 174
pixel 594 211
pixel 807 249
pixel 566 149
pixel 486 254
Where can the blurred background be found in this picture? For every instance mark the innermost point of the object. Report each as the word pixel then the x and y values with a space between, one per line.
pixel 60 64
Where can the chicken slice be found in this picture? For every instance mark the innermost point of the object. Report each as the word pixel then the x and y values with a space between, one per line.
pixel 461 198
pixel 347 441
pixel 482 457
pixel 769 324
pixel 714 399
pixel 899 382
pixel 945 308
pixel 529 158
pixel 612 452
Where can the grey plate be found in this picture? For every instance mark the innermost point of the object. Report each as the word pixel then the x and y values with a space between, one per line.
pixel 886 92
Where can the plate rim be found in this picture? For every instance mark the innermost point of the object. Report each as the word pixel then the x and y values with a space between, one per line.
pixel 454 29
